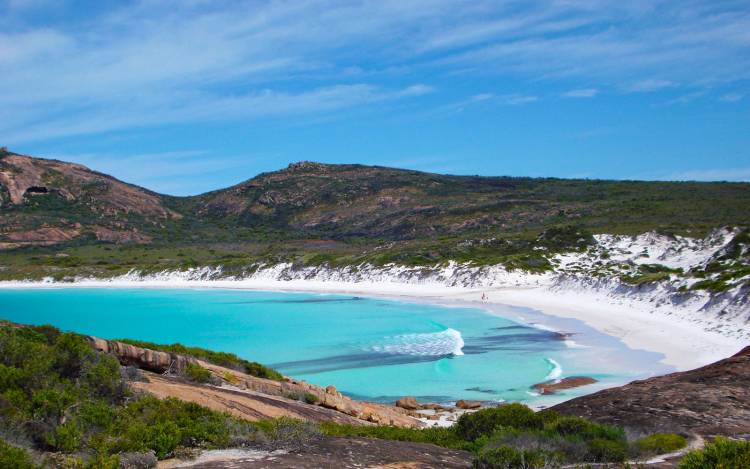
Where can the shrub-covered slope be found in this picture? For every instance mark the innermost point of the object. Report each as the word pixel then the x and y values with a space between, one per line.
pixel 48 202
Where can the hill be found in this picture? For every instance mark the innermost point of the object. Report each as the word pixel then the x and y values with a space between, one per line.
pixel 48 202
pixel 344 202
pixel 59 219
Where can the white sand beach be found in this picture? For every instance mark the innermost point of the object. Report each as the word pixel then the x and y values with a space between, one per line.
pixel 684 342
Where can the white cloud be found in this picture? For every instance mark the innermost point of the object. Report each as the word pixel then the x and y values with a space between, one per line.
pixel 732 97
pixel 723 174
pixel 148 63
pixel 517 99
pixel 581 93
pixel 155 110
pixel 649 85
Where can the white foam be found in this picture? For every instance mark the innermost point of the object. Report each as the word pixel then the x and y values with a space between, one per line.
pixel 573 344
pixel 447 342
pixel 555 372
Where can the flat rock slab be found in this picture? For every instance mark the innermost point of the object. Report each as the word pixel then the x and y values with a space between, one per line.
pixel 343 453
pixel 711 400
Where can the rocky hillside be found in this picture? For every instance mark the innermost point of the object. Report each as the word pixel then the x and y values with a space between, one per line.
pixel 48 202
pixel 708 401
pixel 344 201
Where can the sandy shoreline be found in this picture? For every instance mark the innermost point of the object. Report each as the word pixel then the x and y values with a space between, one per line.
pixel 683 344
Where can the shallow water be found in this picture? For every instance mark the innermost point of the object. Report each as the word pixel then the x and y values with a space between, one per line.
pixel 368 348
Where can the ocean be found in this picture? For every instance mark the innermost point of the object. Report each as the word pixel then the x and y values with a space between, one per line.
pixel 372 349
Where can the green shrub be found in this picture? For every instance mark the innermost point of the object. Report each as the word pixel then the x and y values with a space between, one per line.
pixel 16 458
pixel 59 394
pixel 471 426
pixel 102 376
pixel 197 373
pixel 584 429
pixel 440 436
pixel 66 437
pixel 506 457
pixel 603 450
pixel 659 443
pixel 568 426
pixel 10 377
pixel 70 352
pixel 722 453
pixel 50 333
pixel 291 434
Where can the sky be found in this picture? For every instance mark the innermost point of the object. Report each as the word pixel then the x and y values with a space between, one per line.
pixel 188 96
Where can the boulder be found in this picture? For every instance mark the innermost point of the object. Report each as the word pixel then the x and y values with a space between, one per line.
pixel 463 404
pixel 408 403
pixel 551 387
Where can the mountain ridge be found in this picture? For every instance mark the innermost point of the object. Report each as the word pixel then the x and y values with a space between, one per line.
pixel 418 217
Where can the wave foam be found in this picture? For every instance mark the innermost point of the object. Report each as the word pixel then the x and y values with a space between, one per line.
pixel 555 372
pixel 447 342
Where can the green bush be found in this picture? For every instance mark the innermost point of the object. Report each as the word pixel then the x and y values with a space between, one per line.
pixel 603 450
pixel 66 437
pixel 102 376
pixel 291 434
pixel 584 429
pixel 471 426
pixel 722 453
pixel 70 352
pixel 61 396
pixel 660 443
pixel 16 458
pixel 197 373
pixel 506 457
pixel 441 436
pixel 568 426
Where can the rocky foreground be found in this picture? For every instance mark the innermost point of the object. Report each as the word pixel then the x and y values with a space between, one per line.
pixel 702 403
pixel 246 396
pixel 708 401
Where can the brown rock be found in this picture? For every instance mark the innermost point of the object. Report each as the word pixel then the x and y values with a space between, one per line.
pixel 330 389
pixel 551 387
pixel 408 403
pixel 463 404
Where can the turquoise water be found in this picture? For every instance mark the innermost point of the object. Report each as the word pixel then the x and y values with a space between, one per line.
pixel 368 348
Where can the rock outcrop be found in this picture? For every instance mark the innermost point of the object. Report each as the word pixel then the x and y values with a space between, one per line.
pixel 143 358
pixel 464 404
pixel 408 403
pixel 711 400
pixel 551 387
pixel 243 389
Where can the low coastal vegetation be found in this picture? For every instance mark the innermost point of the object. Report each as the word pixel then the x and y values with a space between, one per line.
pixel 63 404
pixel 722 453
pixel 514 436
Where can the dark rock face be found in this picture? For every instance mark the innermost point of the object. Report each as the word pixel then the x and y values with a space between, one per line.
pixel 712 400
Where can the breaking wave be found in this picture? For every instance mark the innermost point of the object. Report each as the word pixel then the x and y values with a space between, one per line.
pixel 447 342
pixel 555 371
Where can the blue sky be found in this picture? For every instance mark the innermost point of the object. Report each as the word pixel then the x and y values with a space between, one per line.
pixel 187 96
